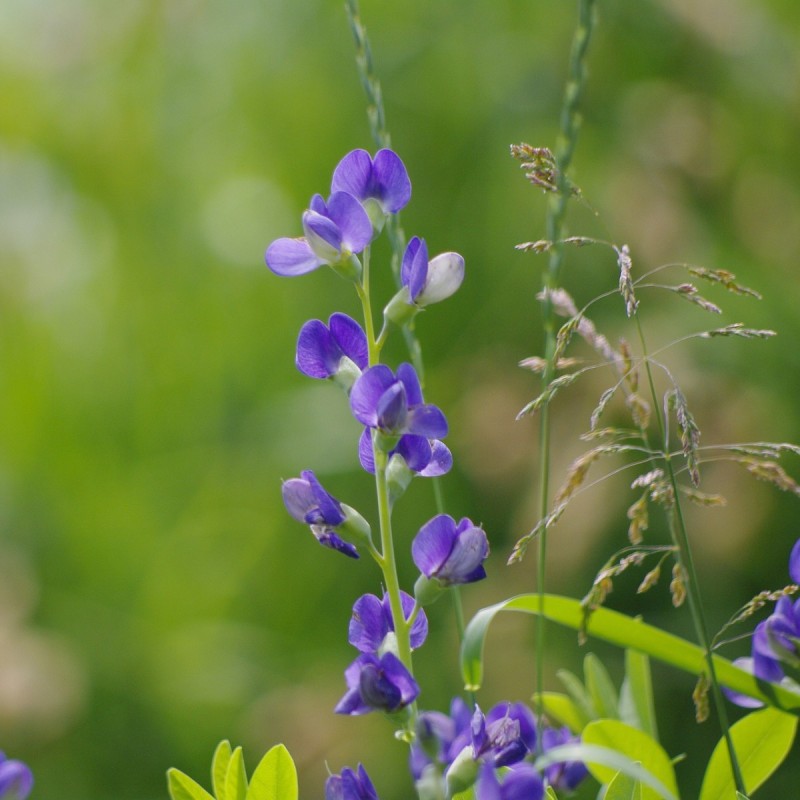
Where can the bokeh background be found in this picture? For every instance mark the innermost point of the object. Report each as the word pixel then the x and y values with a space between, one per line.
pixel 154 595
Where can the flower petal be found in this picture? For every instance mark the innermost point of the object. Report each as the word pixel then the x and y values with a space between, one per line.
pixel 415 450
pixel 433 544
pixel 352 220
pixel 298 497
pixel 353 174
pixel 794 563
pixel 440 462
pixel 290 257
pixel 391 176
pixel 407 375
pixel 445 274
pixel 317 353
pixel 368 625
pixel 408 259
pixel 324 236
pixel 428 421
pixel 366 455
pixel 351 338
pixel 367 392
pixel 392 409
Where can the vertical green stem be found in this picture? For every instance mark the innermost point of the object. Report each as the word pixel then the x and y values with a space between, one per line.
pixel 680 539
pixel 556 210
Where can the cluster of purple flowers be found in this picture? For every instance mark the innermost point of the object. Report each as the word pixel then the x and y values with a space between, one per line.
pixel 775 651
pixel 402 438
pixel 16 779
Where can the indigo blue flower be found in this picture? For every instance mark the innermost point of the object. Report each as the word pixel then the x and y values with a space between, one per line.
pixel 794 563
pixel 775 641
pixel 308 502
pixel 350 786
pixel 393 404
pixel 334 232
pixel 428 458
pixel 521 782
pixel 429 281
pixel 380 184
pixel 325 351
pixel 440 737
pixel 505 735
pixel 372 621
pixel 568 774
pixel 377 683
pixel 16 779
pixel 450 553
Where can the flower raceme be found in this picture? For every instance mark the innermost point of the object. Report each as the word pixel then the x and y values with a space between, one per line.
pixel 337 350
pixel 372 622
pixel 350 786
pixel 308 502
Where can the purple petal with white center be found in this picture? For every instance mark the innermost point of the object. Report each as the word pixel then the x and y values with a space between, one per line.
pixel 353 222
pixel 465 563
pixel 298 497
pixel 391 177
pixel 428 421
pixel 323 235
pixel 353 174
pixel 392 409
pixel 515 711
pixel 440 462
pixel 317 354
pixel 444 275
pixel 415 450
pixel 368 625
pixel 351 338
pixel 367 392
pixel 291 257
pixel 407 375
pixel 433 544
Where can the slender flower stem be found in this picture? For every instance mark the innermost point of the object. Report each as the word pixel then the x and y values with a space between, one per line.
pixel 680 538
pixel 556 210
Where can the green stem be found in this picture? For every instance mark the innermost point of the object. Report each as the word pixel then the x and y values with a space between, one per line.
pixel 680 539
pixel 556 210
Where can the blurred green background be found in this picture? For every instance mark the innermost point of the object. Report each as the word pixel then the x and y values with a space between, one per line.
pixel 154 595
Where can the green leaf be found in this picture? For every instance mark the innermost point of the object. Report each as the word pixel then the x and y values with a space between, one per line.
pixel 561 709
pixel 639 685
pixel 620 630
pixel 601 689
pixel 550 794
pixel 762 741
pixel 580 697
pixel 623 787
pixel 236 777
pixel 182 787
pixel 275 777
pixel 597 756
pixel 219 768
pixel 638 746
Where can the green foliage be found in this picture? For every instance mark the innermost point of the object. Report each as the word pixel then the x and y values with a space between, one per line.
pixel 275 777
pixel 762 741
pixel 637 706
pixel 623 787
pixel 638 746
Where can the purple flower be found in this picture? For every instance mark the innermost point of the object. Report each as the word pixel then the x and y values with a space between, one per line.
pixel 16 779
pixel 393 403
pixel 450 553
pixel 323 351
pixel 350 786
pixel 380 184
pixel 308 502
pixel 372 621
pixel 505 735
pixel 440 737
pixel 377 684
pixel 522 782
pixel 775 641
pixel 568 774
pixel 334 232
pixel 430 281
pixel 428 458
pixel 794 563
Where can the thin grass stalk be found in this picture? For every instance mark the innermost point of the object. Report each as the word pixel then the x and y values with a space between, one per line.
pixel 680 539
pixel 556 210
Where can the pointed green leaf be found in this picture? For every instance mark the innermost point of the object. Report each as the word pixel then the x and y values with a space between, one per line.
pixel 580 697
pixel 762 741
pixel 550 794
pixel 236 777
pixel 275 778
pixel 623 787
pixel 623 631
pixel 219 768
pixel 638 746
pixel 182 787
pixel 595 756
pixel 600 687
pixel 639 684
pixel 561 709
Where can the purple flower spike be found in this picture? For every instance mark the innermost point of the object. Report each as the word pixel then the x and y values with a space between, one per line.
pixel 16 779
pixel 393 404
pixel 568 774
pixel 322 350
pixel 430 281
pixel 450 553
pixel 428 458
pixel 350 786
pixel 382 180
pixel 308 502
pixel 334 232
pixel 377 684
pixel 372 621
